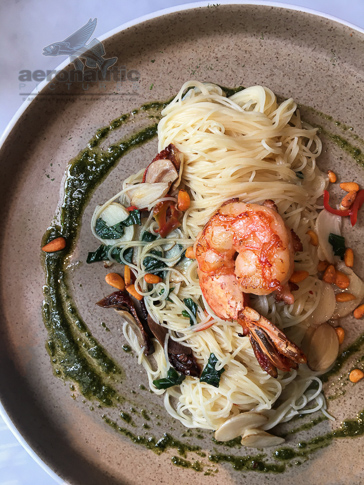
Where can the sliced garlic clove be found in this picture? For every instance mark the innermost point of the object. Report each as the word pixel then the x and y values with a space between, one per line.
pixel 325 309
pixel 327 223
pixel 144 195
pixel 256 438
pixel 323 348
pixel 161 171
pixel 234 427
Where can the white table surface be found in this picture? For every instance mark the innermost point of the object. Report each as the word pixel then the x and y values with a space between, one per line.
pixel 26 26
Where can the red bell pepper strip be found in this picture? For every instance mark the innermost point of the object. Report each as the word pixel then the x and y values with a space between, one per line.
pixel 337 212
pixel 131 208
pixel 358 202
pixel 161 214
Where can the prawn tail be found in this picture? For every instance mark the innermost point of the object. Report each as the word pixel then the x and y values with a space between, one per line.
pixel 262 358
pixel 284 346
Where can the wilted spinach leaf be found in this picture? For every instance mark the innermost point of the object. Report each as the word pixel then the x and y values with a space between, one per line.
pixel 170 291
pixel 153 265
pixel 172 379
pixel 338 244
pixel 109 232
pixel 300 175
pixel 148 236
pixel 128 255
pixel 101 254
pixel 134 218
pixel 191 305
pixel 210 375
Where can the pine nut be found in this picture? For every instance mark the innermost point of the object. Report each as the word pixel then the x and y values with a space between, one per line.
pixel 350 186
pixel 340 332
pixel 344 297
pixel 183 200
pixel 115 280
pixel 356 375
pixel 55 245
pixel 349 257
pixel 330 274
pixel 313 238
pixel 332 176
pixel 127 276
pixel 152 278
pixel 133 292
pixel 359 312
pixel 342 280
pixel 348 200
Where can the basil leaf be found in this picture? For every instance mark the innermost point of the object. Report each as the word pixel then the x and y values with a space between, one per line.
pixel 191 305
pixel 134 218
pixel 153 265
pixel 128 255
pixel 109 232
pixel 338 244
pixel 170 291
pixel 300 175
pixel 209 374
pixel 101 254
pixel 172 379
pixel 148 236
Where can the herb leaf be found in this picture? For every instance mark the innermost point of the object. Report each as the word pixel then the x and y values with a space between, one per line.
pixel 338 244
pixel 99 255
pixel 300 175
pixel 128 255
pixel 191 305
pixel 109 232
pixel 148 236
pixel 172 379
pixel 153 265
pixel 209 374
pixel 134 218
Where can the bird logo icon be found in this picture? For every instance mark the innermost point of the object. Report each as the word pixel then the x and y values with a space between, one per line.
pixel 75 47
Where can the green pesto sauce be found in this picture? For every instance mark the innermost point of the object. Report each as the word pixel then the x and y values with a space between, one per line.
pixel 151 443
pixel 248 463
pixel 77 356
pixel 197 466
pixel 348 428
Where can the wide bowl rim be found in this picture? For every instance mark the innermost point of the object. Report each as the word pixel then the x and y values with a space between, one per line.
pixel 37 90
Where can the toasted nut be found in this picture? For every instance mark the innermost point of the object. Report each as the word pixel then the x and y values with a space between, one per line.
pixel 322 265
pixel 356 375
pixel 133 292
pixel 340 332
pixel 348 200
pixel 313 238
pixel 349 186
pixel 152 278
pixel 183 200
pixel 349 257
pixel 330 274
pixel 342 280
pixel 115 280
pixel 298 276
pixel 359 312
pixel 343 297
pixel 190 253
pixel 55 245
pixel 332 176
pixel 127 276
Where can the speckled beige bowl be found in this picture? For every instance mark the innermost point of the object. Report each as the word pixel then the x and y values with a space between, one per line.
pixel 319 63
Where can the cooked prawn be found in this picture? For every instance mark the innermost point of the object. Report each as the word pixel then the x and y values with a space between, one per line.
pixel 246 248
